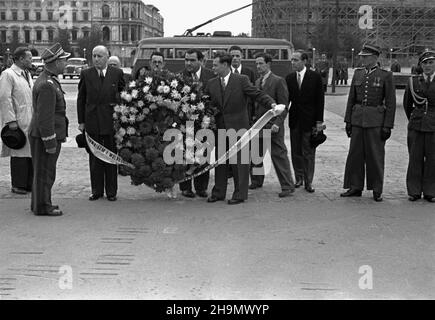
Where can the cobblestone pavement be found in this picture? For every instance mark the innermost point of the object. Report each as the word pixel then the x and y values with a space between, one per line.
pixel 147 246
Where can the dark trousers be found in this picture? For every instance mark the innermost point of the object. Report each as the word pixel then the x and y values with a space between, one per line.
pixel 280 160
pixel 104 176
pixel 420 177
pixel 22 173
pixel 240 175
pixel 44 175
pixel 366 152
pixel 200 183
pixel 303 155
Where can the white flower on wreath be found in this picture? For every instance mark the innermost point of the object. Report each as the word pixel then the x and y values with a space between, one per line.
pixel 125 110
pixel 205 122
pixel 146 111
pixel 193 107
pixel 132 84
pixel 126 96
pixel 153 106
pixel 133 110
pixel 174 83
pixel 194 117
pixel 117 108
pixel 134 93
pixel 148 80
pixel 122 132
pixel 201 106
pixel 150 97
pixel 124 119
pixel 159 100
pixel 166 89
pixel 131 131
pixel 185 108
pixel 128 144
pixel 186 89
pixel 175 94
pixel 132 118
pixel 140 104
pixel 140 117
pixel 160 89
pixel 192 96
pixel 146 89
pixel 115 116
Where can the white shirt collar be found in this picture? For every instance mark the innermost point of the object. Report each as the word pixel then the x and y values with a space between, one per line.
pixel 198 73
pixel 302 73
pixel 238 69
pixel 104 71
pixel 17 69
pixel 431 76
pixel 226 78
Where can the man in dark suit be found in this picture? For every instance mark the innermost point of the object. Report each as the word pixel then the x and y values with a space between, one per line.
pixel 236 67
pixel 195 72
pixel 370 111
pixel 48 129
pixel 98 92
pixel 276 88
pixel 229 93
pixel 307 101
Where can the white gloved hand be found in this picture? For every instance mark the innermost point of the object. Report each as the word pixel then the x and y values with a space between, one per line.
pixel 278 109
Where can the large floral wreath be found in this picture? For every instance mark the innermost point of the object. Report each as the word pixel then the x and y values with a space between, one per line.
pixel 149 107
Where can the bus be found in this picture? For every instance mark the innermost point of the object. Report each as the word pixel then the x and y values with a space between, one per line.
pixel 174 49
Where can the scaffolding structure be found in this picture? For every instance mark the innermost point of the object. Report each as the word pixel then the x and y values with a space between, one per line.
pixel 402 26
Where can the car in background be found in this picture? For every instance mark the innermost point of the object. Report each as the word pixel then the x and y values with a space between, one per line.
pixel 37 66
pixel 74 67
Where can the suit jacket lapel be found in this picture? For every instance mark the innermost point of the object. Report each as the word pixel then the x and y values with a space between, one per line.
pixel 228 90
pixel 304 80
pixel 96 81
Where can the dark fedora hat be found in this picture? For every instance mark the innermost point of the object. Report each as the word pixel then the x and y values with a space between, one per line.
pixel 317 139
pixel 14 139
pixel 81 141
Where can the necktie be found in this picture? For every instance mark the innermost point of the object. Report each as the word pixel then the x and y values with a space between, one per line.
pixel 428 81
pixel 260 86
pixel 25 75
pixel 223 83
pixel 236 71
pixel 299 80
pixel 101 76
pixel 194 77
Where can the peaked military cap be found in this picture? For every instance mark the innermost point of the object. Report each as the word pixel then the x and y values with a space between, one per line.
pixel 53 53
pixel 426 55
pixel 369 49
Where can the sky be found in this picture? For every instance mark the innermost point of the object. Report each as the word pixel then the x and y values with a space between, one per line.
pixel 181 15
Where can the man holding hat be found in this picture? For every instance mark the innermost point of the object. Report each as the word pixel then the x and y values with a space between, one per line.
pixel 369 118
pixel 15 114
pixel 419 105
pixel 48 129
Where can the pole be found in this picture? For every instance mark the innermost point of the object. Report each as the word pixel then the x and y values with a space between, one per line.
pixel 352 58
pixel 314 58
pixel 334 56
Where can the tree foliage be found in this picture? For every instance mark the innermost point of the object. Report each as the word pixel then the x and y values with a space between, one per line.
pixel 94 39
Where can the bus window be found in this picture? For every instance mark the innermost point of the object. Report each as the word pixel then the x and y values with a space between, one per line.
pixel 274 53
pixel 180 53
pixel 145 53
pixel 168 53
pixel 253 52
pixel 284 54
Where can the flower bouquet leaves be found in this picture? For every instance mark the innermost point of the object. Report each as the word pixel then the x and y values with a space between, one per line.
pixel 149 108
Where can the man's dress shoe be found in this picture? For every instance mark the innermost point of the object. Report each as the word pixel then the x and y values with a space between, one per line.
pixel 202 194
pixel 429 198
pixel 285 193
pixel 94 197
pixel 351 193
pixel 309 188
pixel 377 196
pixel 212 199
pixel 111 198
pixel 51 213
pixel 254 186
pixel 414 198
pixel 188 194
pixel 19 190
pixel 235 201
pixel 298 183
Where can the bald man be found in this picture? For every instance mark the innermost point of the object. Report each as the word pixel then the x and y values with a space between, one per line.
pixel 114 62
pixel 99 91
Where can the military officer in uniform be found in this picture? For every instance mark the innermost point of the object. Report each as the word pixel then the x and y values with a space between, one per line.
pixel 369 118
pixel 48 129
pixel 419 105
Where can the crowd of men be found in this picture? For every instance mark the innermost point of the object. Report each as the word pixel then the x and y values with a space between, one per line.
pixel 34 122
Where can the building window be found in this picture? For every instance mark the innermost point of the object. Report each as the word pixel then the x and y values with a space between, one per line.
pixel 50 4
pixel 85 4
pixel 3 36
pixel 14 15
pixel 73 4
pixel 26 15
pixel 38 3
pixel 125 34
pixel 106 34
pixel 85 16
pixel 61 3
pixel 85 34
pixel 74 16
pixel 50 15
pixel 38 15
pixel 39 35
pixel 50 35
pixel 125 12
pixel 106 11
pixel 2 4
pixel 133 12
pixel 133 34
pixel 74 35
pixel 27 36
pixel 3 15
pixel 15 35
pixel 26 4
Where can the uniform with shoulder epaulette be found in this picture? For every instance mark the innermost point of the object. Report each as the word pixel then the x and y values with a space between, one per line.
pixel 48 129
pixel 419 105
pixel 369 118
